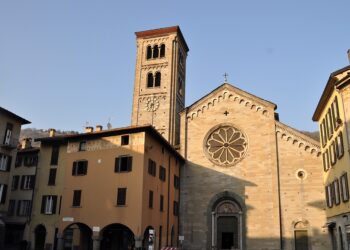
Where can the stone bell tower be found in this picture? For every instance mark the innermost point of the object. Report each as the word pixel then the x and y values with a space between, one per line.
pixel 159 89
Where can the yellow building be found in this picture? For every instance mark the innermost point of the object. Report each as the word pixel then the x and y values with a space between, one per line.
pixel 333 115
pixel 10 127
pixel 112 188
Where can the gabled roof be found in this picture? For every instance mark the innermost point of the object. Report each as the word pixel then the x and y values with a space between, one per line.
pixel 235 89
pixel 14 116
pixel 332 82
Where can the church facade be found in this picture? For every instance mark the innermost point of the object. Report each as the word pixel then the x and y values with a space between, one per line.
pixel 249 181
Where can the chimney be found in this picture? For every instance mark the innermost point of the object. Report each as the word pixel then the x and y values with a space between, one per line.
pixel 349 55
pixel 52 132
pixel 89 129
pixel 26 143
pixel 98 128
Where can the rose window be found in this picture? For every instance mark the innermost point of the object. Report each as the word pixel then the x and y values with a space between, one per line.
pixel 226 145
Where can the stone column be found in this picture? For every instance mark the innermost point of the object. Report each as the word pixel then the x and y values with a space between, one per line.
pixel 96 242
pixel 213 230
pixel 60 241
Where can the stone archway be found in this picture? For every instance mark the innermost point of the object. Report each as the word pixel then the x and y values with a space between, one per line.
pixel 40 237
pixel 117 237
pixel 77 236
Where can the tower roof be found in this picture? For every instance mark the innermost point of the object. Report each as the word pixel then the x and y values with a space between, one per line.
pixel 162 31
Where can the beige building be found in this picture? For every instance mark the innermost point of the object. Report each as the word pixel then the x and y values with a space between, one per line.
pixel 332 114
pixel 21 193
pixel 111 188
pixel 10 127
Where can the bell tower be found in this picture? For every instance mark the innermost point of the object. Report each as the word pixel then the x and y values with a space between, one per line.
pixel 159 88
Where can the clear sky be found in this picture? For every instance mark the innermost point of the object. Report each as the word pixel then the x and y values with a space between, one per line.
pixel 64 63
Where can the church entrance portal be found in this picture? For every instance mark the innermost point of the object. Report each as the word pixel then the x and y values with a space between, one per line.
pixel 227 226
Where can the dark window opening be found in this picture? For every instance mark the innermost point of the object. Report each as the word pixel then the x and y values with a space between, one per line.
pixel 161 203
pixel 15 182
pixel 150 199
pixel 80 168
pixel 340 145
pixel 76 198
pixel 82 146
pixel 3 193
pixel 125 140
pixel 19 160
pixel 152 167
pixel 162 50
pixel 52 177
pixel 176 182
pixel 121 197
pixel 176 208
pixel 158 79
pixel 162 173
pixel 155 51
pixel 54 155
pixel 123 164
pixel 149 52
pixel 149 80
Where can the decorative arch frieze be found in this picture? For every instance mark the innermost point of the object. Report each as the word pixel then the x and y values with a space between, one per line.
pixel 229 96
pixel 297 139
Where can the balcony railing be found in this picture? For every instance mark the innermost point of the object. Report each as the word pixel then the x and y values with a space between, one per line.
pixel 11 144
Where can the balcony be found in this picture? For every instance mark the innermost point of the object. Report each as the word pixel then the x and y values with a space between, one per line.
pixel 11 144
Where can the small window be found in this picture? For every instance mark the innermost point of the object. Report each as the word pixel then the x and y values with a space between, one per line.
pixel 79 168
pixel 3 192
pixel 8 134
pixel 160 236
pixel 162 173
pixel 123 164
pixel 5 162
pixel 333 156
pixel 161 203
pixel 76 198
pixel 150 80
pixel 326 161
pixel 344 187
pixel 150 199
pixel 18 162
pixel 152 166
pixel 54 155
pixel 329 198
pixel 162 50
pixel 52 177
pixel 125 140
pixel 324 132
pixel 23 208
pixel 176 182
pixel 340 145
pixel 48 204
pixel 12 208
pixel 336 192
pixel 82 146
pixel 155 51
pixel 158 79
pixel 121 197
pixel 15 182
pixel 176 208
pixel 27 182
pixel 30 160
pixel 149 52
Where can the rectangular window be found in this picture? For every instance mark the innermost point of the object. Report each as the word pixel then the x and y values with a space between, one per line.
pixel 161 205
pixel 150 199
pixel 324 132
pixel 15 182
pixel 76 198
pixel 331 121
pixel 23 208
pixel 18 161
pixel 344 187
pixel 336 192
pixel 340 145
pixel 80 168
pixel 329 198
pixel 82 146
pixel 325 160
pixel 52 177
pixel 30 160
pixel 54 155
pixel 121 197
pixel 48 204
pixel 152 167
pixel 333 156
pixel 125 140
pixel 12 208
pixel 27 182
pixel 123 164
pixel 336 112
pixel 176 208
pixel 8 134
pixel 3 192
pixel 321 134
pixel 162 173
pixel 5 162
pixel 329 124
pixel 176 182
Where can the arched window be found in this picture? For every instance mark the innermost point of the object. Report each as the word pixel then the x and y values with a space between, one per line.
pixel 158 79
pixel 162 50
pixel 150 80
pixel 149 52
pixel 155 51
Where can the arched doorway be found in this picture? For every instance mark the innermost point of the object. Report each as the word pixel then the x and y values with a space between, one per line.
pixel 301 235
pixel 77 236
pixel 40 237
pixel 117 237
pixel 227 225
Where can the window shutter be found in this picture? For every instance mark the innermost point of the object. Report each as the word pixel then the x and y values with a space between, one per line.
pixel 117 164
pixel 74 168
pixel 3 196
pixel 129 163
pixel 54 204
pixel 9 161
pixel 85 167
